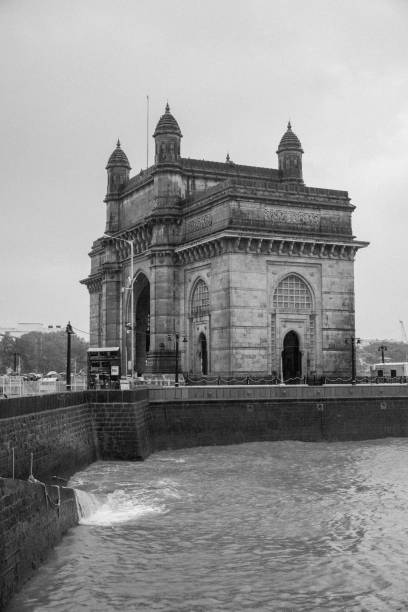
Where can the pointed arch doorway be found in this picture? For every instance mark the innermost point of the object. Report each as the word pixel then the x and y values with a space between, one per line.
pixel 291 357
pixel 202 342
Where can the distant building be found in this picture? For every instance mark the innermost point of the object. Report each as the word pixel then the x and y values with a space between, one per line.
pixel 251 266
pixel 389 369
pixel 19 329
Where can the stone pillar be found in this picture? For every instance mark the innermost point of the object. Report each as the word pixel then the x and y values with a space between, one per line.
pixel 111 298
pixel 221 341
pixel 338 316
pixel 163 313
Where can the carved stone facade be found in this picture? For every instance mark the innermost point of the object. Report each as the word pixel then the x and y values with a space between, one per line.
pixel 250 267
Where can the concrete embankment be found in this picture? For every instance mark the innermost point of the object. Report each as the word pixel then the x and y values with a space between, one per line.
pixel 60 434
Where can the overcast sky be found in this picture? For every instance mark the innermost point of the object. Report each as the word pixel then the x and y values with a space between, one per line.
pixel 74 75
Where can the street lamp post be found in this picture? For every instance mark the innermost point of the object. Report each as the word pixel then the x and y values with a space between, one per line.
pixel 353 341
pixel 69 332
pixel 132 338
pixel 382 348
pixel 176 372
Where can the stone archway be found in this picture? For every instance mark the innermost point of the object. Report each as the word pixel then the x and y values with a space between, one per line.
pixel 141 323
pixel 142 329
pixel 291 357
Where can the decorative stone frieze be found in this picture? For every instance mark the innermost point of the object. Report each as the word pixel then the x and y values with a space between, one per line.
pixel 287 217
pixel 198 223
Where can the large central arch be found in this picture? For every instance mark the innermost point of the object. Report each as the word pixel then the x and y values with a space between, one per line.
pixel 141 323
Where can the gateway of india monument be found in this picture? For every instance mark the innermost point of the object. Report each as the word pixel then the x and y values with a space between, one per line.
pixel 246 269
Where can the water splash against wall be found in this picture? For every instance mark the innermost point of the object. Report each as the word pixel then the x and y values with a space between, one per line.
pixel 120 506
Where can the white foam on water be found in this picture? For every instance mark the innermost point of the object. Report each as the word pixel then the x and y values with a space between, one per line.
pixel 168 488
pixel 87 503
pixel 117 507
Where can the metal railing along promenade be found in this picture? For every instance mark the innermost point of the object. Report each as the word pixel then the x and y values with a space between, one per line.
pixel 197 380
pixel 15 386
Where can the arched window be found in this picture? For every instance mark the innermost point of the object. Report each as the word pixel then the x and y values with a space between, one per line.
pixel 200 302
pixel 292 294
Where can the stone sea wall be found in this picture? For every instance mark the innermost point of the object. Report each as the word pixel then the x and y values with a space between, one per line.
pixel 195 416
pixel 121 429
pixel 206 423
pixel 56 430
pixel 33 520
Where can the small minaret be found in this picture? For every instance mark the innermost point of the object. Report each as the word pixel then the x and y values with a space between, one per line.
pixel 167 136
pixel 290 157
pixel 118 169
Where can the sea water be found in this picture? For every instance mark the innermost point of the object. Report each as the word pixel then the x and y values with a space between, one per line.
pixel 261 526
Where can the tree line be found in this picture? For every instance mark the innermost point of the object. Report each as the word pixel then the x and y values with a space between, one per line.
pixel 370 352
pixel 42 352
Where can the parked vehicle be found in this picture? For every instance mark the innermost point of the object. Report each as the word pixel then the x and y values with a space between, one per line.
pixel 32 376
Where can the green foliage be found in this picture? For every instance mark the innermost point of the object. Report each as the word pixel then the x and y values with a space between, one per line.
pixel 370 353
pixel 7 350
pixel 396 351
pixel 42 352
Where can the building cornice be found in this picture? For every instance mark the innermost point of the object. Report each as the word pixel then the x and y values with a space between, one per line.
pixel 277 245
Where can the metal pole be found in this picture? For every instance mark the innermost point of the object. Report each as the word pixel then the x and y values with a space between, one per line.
pixel 69 332
pixel 353 341
pixel 176 380
pixel 132 307
pixel 382 348
pixel 147 133
pixel 353 361
pixel 132 315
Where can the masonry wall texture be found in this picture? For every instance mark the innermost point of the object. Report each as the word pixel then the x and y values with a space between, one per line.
pixel 121 430
pixel 58 435
pixel 30 526
pixel 205 423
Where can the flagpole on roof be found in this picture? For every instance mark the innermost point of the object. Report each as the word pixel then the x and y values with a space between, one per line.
pixel 147 131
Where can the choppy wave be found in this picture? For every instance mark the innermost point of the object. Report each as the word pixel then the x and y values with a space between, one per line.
pixel 263 526
pixel 117 507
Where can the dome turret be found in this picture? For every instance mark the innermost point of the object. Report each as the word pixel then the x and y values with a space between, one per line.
pixel 290 157
pixel 289 140
pixel 167 136
pixel 118 158
pixel 118 168
pixel 167 124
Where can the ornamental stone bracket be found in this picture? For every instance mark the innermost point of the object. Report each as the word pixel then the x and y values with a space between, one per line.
pixel 279 246
pixel 141 237
pixel 93 283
